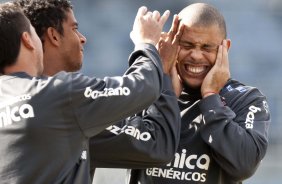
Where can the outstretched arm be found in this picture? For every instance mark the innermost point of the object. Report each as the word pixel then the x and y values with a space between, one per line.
pixel 148 139
pixel 92 99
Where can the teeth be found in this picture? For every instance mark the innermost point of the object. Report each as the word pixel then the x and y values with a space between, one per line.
pixel 196 70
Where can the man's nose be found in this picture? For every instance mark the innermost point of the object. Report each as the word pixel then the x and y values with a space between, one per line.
pixel 82 38
pixel 196 54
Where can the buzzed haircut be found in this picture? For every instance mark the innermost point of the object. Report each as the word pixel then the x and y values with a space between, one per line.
pixel 46 13
pixel 204 15
pixel 13 23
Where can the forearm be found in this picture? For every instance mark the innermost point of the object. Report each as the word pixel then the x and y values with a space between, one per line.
pixel 236 149
pixel 145 140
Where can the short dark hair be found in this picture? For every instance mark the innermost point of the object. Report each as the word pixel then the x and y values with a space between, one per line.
pixel 45 13
pixel 205 15
pixel 211 16
pixel 13 23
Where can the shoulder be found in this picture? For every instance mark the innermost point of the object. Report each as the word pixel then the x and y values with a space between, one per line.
pixel 70 77
pixel 235 92
pixel 236 88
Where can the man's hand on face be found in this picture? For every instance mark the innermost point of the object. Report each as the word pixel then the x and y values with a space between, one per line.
pixel 168 48
pixel 219 74
pixel 148 26
pixel 168 45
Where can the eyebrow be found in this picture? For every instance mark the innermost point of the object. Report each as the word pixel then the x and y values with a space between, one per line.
pixel 205 44
pixel 212 45
pixel 183 41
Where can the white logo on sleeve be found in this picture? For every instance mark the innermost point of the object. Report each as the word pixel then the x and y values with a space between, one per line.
pixel 131 131
pixel 107 92
pixel 249 123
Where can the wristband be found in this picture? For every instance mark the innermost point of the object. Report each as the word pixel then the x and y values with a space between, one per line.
pixel 208 94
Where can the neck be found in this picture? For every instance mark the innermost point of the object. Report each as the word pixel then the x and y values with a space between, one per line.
pixel 21 67
pixel 25 62
pixel 52 62
pixel 192 91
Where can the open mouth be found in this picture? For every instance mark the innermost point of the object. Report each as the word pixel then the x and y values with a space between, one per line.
pixel 195 70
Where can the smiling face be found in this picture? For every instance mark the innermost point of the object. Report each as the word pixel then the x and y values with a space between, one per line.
pixel 72 42
pixel 204 31
pixel 199 45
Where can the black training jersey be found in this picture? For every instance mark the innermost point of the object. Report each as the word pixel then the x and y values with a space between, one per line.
pixel 223 139
pixel 46 122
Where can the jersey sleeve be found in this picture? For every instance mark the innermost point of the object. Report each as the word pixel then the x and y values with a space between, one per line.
pixel 237 134
pixel 147 139
pixel 97 103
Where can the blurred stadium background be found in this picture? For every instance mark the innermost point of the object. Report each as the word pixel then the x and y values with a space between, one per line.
pixel 254 26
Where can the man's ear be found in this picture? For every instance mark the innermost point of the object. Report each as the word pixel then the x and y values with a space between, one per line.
pixel 53 36
pixel 27 41
pixel 228 44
